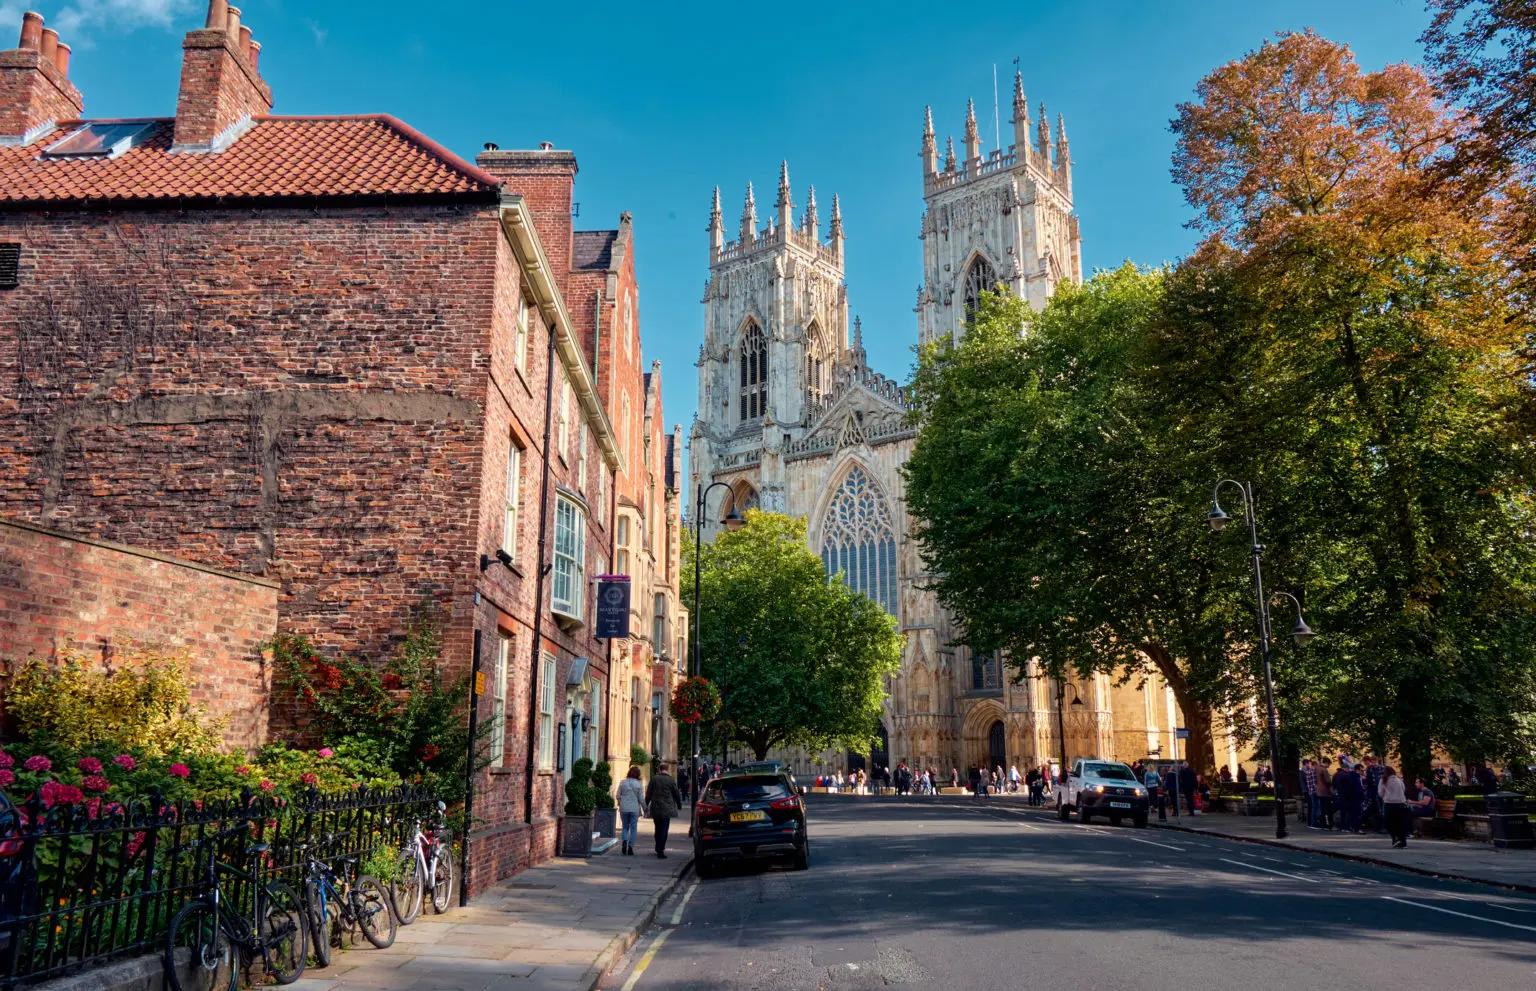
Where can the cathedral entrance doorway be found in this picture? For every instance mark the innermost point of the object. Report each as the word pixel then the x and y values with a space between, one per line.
pixel 997 747
pixel 879 755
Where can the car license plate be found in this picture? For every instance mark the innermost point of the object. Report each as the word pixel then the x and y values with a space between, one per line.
pixel 1119 805
pixel 748 816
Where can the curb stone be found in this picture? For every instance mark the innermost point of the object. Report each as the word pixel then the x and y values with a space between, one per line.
pixel 1357 858
pixel 621 943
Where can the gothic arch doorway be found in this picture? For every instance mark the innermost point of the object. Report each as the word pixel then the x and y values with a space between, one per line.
pixel 879 754
pixel 997 745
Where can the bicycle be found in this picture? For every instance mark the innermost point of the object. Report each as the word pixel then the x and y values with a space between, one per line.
pixel 219 939
pixel 426 861
pixel 360 903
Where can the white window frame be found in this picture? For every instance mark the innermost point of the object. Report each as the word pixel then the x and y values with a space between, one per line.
pixel 581 458
pixel 520 336
pixel 629 324
pixel 513 497
pixel 597 720
pixel 565 420
pixel 547 713
pixel 505 645
pixel 569 560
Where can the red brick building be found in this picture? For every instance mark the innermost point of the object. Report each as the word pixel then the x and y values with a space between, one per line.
pixel 321 350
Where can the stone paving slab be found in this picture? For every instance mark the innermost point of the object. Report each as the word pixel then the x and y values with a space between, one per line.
pixel 555 927
pixel 1466 860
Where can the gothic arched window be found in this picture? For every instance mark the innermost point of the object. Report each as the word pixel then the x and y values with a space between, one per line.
pixel 753 359
pixel 986 672
pixel 818 364
pixel 859 539
pixel 979 278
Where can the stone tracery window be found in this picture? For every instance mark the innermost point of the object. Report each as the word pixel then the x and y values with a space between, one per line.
pixel 979 278
pixel 859 539
pixel 818 364
pixel 753 359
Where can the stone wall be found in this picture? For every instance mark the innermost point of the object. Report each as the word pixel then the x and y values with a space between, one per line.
pixel 58 590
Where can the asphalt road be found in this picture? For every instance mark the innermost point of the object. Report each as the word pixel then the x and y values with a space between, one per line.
pixel 948 894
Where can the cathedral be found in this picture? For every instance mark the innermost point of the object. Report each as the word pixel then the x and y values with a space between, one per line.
pixel 792 418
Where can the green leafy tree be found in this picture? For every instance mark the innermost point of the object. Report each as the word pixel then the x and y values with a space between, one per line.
pixel 1051 509
pixel 799 660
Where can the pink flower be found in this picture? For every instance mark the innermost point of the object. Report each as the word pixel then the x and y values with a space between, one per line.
pixel 53 793
pixel 6 760
pixel 136 842
pixel 267 786
pixel 180 770
pixel 308 778
pixel 90 765
pixel 125 762
pixel 95 782
pixel 243 769
pixel 38 764
pixel 7 777
pixel 327 752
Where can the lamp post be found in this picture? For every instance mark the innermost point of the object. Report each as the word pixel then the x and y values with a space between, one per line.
pixel 1301 632
pixel 732 520
pixel 1061 723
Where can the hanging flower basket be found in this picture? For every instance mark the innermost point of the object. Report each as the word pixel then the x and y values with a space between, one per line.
pixel 695 700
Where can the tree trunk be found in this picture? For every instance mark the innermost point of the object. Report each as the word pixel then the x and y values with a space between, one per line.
pixel 1200 748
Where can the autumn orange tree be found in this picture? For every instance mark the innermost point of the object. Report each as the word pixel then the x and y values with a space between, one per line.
pixel 1349 335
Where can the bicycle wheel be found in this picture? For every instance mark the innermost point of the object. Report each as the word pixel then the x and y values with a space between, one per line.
pixel 198 953
pixel 370 903
pixel 318 910
pixel 405 890
pixel 283 933
pixel 442 879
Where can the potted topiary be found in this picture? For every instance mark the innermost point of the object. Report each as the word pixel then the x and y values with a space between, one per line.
pixel 576 831
pixel 605 815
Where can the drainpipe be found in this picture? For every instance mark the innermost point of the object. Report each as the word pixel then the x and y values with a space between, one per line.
pixel 469 770
pixel 538 594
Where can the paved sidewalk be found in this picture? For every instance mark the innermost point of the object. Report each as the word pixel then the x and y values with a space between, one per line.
pixel 559 925
pixel 1465 859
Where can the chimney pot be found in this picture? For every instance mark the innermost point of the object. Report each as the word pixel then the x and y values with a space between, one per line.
pixel 48 43
pixel 256 56
pixel 232 25
pixel 491 146
pixel 32 30
pixel 218 15
pixel 61 59
pixel 546 146
pixel 245 41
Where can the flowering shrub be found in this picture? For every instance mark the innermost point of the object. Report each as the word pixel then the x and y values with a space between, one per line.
pixel 400 715
pixel 695 700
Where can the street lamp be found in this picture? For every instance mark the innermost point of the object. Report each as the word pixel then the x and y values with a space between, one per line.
pixel 1061 725
pixel 1300 633
pixel 732 521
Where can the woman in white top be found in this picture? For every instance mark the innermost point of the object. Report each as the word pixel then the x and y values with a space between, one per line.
pixel 631 804
pixel 1394 802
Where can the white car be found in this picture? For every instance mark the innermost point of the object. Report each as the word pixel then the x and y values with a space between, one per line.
pixel 1102 787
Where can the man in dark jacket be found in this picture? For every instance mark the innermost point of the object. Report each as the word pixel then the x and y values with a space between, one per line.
pixel 663 799
pixel 1349 792
pixel 1188 784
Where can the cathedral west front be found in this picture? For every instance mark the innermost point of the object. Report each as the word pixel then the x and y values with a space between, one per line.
pixel 793 420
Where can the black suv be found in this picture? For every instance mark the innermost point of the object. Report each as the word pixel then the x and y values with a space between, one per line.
pixel 747 815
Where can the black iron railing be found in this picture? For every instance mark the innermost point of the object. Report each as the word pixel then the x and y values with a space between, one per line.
pixel 83 884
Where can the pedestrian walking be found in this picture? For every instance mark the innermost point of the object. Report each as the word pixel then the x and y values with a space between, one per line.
pixel 1309 791
pixel 1013 777
pixel 1154 785
pixel 1347 792
pixel 663 799
pixel 1188 784
pixel 1373 803
pixel 631 804
pixel 1394 805
pixel 1325 799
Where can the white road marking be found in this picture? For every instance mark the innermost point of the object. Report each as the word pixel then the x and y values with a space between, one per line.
pixel 645 961
pixel 1256 867
pixel 1165 846
pixel 1027 825
pixel 677 914
pixel 1464 915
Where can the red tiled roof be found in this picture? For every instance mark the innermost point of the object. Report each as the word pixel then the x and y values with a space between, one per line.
pixel 373 155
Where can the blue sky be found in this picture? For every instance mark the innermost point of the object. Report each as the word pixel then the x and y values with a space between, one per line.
pixel 661 102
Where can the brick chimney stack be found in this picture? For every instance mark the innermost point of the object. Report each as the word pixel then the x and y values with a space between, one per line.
pixel 35 91
pixel 546 178
pixel 221 88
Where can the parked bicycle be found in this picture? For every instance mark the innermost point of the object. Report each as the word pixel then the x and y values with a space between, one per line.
pixel 426 864
pixel 335 900
pixel 218 938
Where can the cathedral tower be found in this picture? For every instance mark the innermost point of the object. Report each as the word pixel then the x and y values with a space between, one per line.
pixel 1000 218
